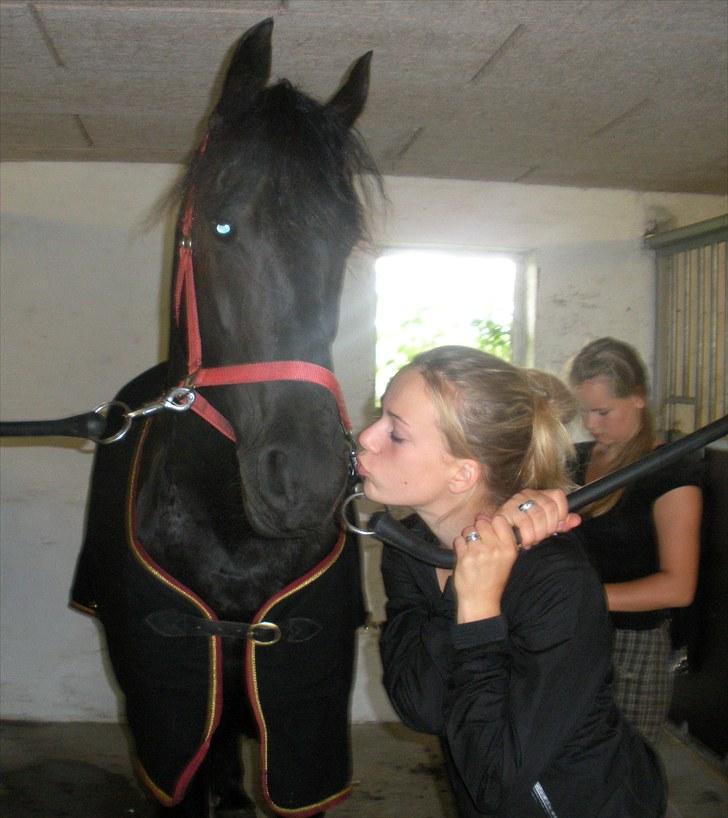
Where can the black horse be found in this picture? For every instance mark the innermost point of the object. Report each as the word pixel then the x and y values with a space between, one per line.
pixel 214 554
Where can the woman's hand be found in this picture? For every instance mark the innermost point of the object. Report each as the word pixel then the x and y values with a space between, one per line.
pixel 485 554
pixel 538 514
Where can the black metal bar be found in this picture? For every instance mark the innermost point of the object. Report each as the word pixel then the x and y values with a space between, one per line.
pixel 391 532
pixel 90 425
pixel 660 457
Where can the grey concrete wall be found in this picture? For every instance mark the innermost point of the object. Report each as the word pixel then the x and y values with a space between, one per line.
pixel 84 294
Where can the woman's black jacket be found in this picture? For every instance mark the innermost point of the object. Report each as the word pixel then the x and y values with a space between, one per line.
pixel 523 701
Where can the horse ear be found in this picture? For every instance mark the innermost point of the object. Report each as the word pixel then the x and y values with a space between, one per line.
pixel 248 71
pixel 349 100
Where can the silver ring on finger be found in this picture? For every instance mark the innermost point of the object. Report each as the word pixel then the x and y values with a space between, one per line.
pixel 472 536
pixel 526 504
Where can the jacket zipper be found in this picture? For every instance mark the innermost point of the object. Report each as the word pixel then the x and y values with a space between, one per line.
pixel 542 800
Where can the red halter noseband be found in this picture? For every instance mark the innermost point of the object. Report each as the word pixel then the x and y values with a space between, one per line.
pixel 197 375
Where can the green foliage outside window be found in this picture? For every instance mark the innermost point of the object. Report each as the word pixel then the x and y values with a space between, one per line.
pixel 493 338
pixel 422 332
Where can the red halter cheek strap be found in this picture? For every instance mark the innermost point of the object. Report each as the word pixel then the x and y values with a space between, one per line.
pixel 184 285
pixel 197 375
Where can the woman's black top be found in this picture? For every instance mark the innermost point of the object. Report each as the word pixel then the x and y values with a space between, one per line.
pixel 522 701
pixel 622 543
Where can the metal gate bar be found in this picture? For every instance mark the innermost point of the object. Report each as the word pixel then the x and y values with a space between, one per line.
pixel 691 344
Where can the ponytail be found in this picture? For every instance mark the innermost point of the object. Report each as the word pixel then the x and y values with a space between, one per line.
pixel 546 463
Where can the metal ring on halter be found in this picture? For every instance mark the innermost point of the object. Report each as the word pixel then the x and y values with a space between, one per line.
pixel 102 410
pixel 179 399
pixel 526 504
pixel 355 495
pixel 473 536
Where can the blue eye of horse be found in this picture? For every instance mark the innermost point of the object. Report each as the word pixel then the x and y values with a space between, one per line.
pixel 223 229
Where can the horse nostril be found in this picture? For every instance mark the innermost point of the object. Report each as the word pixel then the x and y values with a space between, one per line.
pixel 276 476
pixel 286 492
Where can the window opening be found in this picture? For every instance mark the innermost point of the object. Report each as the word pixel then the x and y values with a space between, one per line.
pixel 427 298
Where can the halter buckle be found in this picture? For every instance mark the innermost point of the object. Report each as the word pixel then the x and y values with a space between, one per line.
pixel 353 478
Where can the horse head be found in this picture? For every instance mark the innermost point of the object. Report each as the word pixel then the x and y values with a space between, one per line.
pixel 273 212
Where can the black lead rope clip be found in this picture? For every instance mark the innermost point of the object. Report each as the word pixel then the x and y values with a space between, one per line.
pixel 391 532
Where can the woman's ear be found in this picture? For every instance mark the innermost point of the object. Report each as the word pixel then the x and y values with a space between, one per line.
pixel 638 401
pixel 465 476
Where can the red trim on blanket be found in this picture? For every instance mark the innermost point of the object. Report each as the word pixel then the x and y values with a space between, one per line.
pixel 214 705
pixel 84 609
pixel 252 686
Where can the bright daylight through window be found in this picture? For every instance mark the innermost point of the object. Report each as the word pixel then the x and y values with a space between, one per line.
pixel 427 298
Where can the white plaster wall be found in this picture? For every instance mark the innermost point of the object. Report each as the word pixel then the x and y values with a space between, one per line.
pixel 83 298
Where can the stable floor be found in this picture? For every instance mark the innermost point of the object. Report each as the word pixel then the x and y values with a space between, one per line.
pixel 82 770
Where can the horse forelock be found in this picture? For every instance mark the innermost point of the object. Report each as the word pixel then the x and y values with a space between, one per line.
pixel 311 175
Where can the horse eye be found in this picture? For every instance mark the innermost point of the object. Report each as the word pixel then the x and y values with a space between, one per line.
pixel 223 229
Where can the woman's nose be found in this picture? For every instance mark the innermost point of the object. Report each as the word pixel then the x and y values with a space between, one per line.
pixel 366 437
pixel 370 437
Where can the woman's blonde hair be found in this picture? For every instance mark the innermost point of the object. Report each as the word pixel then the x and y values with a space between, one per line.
pixel 620 365
pixel 558 393
pixel 489 411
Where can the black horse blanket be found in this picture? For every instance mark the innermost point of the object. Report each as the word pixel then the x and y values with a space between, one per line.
pixel 298 688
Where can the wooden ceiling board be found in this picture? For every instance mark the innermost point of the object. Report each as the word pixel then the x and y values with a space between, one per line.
pixel 591 92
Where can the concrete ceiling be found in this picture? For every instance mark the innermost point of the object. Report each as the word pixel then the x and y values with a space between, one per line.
pixel 602 93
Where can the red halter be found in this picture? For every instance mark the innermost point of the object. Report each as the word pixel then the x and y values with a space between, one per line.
pixel 197 375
